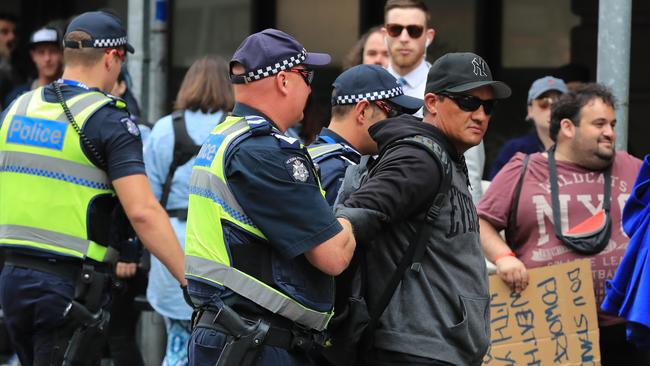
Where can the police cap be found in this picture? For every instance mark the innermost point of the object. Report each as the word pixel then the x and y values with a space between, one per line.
pixel 371 82
pixel 105 30
pixel 270 51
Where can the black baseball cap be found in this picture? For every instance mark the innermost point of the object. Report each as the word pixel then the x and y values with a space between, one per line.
pixel 105 30
pixel 461 72
pixel 270 51
pixel 371 82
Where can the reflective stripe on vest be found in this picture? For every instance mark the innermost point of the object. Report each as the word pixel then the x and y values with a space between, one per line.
pixel 47 183
pixel 205 184
pixel 258 292
pixel 50 240
pixel 318 151
pixel 210 203
pixel 46 166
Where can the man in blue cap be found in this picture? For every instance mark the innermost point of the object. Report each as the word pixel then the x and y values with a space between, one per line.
pixel 68 152
pixel 362 96
pixel 262 244
pixel 543 93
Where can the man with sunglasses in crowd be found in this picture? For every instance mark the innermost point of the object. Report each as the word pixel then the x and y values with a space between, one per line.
pixel 408 34
pixel 541 96
pixel 439 313
pixel 565 204
pixel 362 96
pixel 262 244
pixel 68 152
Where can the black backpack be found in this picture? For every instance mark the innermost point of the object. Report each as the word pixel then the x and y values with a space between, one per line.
pixel 355 320
pixel 184 150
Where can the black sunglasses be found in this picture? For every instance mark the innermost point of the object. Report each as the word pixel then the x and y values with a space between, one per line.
pixel 414 30
pixel 389 108
pixel 470 103
pixel 307 75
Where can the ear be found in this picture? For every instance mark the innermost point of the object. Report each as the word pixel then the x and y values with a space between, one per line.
pixel 281 83
pixel 430 100
pixel 108 61
pixel 431 34
pixel 567 128
pixel 529 109
pixel 361 110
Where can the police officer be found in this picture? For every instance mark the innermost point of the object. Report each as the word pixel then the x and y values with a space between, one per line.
pixel 362 96
pixel 68 151
pixel 262 243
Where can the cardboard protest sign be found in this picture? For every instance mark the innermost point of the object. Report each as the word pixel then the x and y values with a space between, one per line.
pixel 553 322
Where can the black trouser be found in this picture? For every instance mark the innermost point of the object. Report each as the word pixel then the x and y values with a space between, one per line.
pixel 33 303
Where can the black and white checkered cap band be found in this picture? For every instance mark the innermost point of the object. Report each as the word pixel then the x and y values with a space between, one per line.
pixel 277 67
pixel 109 42
pixel 376 95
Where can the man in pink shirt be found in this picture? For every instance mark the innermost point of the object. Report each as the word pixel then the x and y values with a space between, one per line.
pixel 581 164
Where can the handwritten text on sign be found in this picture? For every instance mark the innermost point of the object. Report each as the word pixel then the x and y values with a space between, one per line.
pixel 553 322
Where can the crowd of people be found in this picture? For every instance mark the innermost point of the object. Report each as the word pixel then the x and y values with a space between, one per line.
pixel 369 246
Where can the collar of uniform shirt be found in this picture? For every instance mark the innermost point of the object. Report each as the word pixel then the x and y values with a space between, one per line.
pixel 326 132
pixel 243 110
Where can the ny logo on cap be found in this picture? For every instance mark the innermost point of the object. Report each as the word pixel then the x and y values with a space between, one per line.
pixel 479 67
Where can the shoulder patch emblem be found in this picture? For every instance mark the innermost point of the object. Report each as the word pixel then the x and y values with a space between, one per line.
pixel 297 168
pixel 130 126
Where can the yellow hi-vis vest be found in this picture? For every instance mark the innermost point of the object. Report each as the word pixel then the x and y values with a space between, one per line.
pixel 211 202
pixel 47 183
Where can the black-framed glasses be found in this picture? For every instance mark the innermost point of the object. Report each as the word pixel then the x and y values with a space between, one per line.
pixel 414 30
pixel 390 109
pixel 307 75
pixel 470 103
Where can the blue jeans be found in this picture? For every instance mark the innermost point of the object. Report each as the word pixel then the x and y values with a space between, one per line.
pixel 206 345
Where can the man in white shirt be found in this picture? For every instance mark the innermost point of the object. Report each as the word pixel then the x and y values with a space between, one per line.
pixel 408 34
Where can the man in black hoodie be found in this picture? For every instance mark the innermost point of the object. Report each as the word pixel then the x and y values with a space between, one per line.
pixel 439 314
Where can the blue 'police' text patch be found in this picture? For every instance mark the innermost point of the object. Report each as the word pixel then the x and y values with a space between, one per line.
pixel 209 150
pixel 37 132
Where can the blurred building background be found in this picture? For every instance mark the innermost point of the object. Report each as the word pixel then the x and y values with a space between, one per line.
pixel 522 40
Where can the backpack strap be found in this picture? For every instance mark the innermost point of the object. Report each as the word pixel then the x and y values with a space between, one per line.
pixel 413 256
pixel 184 150
pixel 512 216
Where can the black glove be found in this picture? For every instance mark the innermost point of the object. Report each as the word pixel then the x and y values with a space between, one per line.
pixel 366 223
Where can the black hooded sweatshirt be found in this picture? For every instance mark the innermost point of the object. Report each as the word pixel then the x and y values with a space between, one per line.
pixel 440 312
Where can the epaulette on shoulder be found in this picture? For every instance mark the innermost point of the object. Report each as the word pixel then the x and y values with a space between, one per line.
pixel 287 142
pixel 116 101
pixel 259 126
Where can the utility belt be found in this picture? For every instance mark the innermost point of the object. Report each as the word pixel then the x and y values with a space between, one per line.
pixel 246 335
pixel 69 270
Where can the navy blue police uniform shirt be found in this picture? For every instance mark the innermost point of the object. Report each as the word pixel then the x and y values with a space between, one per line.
pixel 332 168
pixel 292 214
pixel 283 203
